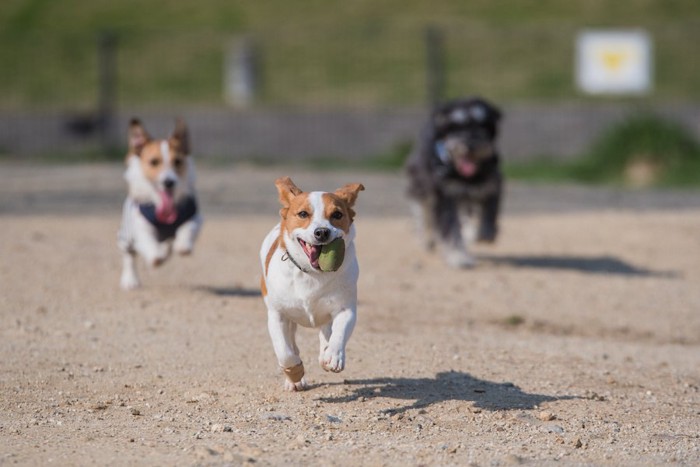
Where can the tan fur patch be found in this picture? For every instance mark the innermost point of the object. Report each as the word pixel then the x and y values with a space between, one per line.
pixel 337 211
pixel 153 162
pixel 295 373
pixel 346 195
pixel 271 252
pixel 298 213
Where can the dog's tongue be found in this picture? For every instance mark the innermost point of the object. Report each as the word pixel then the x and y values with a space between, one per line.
pixel 313 252
pixel 165 211
pixel 466 168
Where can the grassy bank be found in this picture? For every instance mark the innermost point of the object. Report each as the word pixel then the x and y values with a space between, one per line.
pixel 312 53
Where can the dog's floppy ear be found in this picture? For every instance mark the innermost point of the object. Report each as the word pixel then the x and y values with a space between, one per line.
pixel 138 137
pixel 494 113
pixel 287 191
pixel 349 192
pixel 180 139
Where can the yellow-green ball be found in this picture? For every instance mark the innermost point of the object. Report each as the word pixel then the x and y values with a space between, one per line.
pixel 332 255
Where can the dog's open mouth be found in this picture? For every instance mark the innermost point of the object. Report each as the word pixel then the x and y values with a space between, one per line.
pixel 165 211
pixel 466 167
pixel 312 251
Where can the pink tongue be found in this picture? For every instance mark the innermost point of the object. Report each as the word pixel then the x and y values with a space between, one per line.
pixel 466 168
pixel 314 252
pixel 165 211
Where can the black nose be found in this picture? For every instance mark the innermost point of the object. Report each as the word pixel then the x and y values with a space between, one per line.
pixel 322 234
pixel 169 183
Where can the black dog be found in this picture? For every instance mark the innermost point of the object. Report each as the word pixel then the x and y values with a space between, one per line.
pixel 455 174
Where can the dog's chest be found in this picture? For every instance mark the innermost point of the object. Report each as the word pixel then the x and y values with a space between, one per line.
pixel 305 299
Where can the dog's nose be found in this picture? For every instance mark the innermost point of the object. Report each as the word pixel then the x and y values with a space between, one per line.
pixel 169 183
pixel 322 234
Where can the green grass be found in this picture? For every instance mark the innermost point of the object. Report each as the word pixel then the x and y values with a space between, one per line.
pixel 364 53
pixel 640 151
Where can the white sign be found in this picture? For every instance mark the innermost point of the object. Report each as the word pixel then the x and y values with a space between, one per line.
pixel 614 62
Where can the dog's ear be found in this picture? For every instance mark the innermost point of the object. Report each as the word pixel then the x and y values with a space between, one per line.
pixel 287 191
pixel 138 137
pixel 180 139
pixel 349 192
pixel 494 113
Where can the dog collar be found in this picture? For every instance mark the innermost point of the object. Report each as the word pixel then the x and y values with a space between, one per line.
pixel 286 256
pixel 186 210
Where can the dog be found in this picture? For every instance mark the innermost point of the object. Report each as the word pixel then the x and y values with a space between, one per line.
pixel 295 289
pixel 455 176
pixel 160 213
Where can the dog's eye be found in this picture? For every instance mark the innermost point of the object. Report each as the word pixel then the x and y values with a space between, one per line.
pixel 155 162
pixel 177 163
pixel 337 215
pixel 303 214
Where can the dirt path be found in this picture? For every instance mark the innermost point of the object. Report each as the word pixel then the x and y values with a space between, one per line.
pixel 576 339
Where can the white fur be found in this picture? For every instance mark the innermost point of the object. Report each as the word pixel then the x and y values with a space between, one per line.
pixel 324 300
pixel 137 236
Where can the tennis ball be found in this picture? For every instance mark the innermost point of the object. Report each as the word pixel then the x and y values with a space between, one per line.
pixel 332 255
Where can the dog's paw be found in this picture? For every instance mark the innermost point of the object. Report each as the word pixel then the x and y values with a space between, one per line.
pixel 332 360
pixel 294 378
pixel 459 259
pixel 295 387
pixel 129 282
pixel 487 234
pixel 183 248
pixel 183 251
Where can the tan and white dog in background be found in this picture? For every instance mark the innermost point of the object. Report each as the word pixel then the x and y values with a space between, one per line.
pixel 160 211
pixel 295 289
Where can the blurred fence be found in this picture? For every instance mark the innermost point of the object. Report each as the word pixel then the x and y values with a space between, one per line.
pixel 323 91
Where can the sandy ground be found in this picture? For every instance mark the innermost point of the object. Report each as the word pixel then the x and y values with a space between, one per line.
pixel 576 339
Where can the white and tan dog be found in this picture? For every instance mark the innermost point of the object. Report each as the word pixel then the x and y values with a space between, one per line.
pixel 160 212
pixel 295 289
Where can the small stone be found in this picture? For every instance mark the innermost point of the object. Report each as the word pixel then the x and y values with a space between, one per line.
pixel 578 443
pixel 278 417
pixel 546 416
pixel 333 419
pixel 135 411
pixel 554 429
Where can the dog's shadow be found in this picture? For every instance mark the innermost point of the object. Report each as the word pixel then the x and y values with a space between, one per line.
pixel 230 291
pixel 590 265
pixel 446 386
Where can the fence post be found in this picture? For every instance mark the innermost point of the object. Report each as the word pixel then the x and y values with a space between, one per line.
pixel 107 81
pixel 435 65
pixel 241 73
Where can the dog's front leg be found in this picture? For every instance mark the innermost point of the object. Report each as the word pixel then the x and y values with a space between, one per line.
pixel 145 242
pixel 282 332
pixel 186 235
pixel 335 336
pixel 453 246
pixel 129 279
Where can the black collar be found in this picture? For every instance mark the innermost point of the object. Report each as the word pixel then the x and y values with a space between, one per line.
pixel 286 256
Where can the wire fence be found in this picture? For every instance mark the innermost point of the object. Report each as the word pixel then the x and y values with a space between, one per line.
pixel 321 90
pixel 322 67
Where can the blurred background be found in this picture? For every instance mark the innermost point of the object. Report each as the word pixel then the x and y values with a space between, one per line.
pixel 336 84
